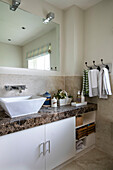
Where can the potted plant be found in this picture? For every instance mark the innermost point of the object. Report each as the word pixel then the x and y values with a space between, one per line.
pixel 63 98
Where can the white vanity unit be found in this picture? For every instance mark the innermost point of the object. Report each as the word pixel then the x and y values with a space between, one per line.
pixel 27 146
pixel 42 147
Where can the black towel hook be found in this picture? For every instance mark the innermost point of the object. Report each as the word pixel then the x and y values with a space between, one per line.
pixel 106 66
pixel 96 65
pixel 88 66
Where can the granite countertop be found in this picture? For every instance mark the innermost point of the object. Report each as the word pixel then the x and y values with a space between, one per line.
pixel 45 115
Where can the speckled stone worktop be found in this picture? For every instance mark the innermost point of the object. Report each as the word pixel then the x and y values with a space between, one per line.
pixel 45 115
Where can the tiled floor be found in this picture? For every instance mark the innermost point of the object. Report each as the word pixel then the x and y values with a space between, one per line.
pixel 93 160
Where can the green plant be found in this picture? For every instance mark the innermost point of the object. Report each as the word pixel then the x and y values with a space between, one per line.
pixel 61 94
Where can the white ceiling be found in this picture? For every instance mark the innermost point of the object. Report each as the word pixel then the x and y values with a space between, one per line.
pixel 63 4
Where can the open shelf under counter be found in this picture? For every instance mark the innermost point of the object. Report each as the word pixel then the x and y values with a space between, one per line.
pixel 88 141
pixel 77 127
pixel 88 118
pixel 83 144
pixel 86 131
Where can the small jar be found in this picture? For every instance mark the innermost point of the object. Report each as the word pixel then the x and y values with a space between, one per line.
pixel 47 103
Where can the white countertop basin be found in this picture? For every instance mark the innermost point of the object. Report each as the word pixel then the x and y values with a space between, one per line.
pixel 22 105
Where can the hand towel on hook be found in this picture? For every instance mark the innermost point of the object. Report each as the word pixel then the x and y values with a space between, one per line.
pixel 104 84
pixel 85 83
pixel 93 82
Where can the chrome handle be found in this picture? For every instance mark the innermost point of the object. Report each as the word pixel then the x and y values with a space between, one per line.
pixel 48 142
pixel 49 146
pixel 41 149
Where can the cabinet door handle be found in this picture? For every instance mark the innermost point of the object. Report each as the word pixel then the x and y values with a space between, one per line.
pixel 48 142
pixel 41 149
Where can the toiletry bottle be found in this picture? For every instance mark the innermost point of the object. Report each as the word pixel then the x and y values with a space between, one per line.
pixel 78 97
pixel 54 102
pixel 82 97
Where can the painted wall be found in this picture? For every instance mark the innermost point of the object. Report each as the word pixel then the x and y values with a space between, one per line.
pixel 99 33
pixel 12 60
pixel 74 35
pixel 99 44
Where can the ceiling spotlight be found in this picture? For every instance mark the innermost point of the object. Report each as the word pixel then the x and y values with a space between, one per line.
pixel 49 17
pixel 15 4
pixel 23 28
pixel 9 39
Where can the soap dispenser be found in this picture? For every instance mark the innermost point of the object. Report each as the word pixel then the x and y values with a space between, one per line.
pixel 82 97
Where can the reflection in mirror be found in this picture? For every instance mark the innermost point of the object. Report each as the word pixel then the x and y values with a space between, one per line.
pixel 26 42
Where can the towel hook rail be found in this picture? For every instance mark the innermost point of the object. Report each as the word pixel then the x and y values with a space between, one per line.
pixel 106 66
pixel 96 65
pixel 88 66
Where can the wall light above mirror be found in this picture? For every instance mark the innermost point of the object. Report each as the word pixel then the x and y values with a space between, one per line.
pixel 26 42
pixel 15 4
pixel 50 16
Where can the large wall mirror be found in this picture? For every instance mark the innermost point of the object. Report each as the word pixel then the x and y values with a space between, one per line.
pixel 26 42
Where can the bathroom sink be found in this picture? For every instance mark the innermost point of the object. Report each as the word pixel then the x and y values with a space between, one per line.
pixel 21 106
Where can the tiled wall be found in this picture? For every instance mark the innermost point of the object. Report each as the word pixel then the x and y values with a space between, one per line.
pixel 36 85
pixel 104 135
pixel 104 122
pixel 73 84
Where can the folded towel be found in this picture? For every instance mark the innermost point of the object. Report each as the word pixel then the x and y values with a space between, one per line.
pixel 104 84
pixel 80 147
pixel 85 83
pixel 93 82
pixel 79 142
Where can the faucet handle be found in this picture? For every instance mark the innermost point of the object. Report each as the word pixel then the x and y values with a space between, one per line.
pixel 23 87
pixel 8 88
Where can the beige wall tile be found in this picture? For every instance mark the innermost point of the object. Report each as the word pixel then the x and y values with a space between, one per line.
pixel 36 85
pixel 73 84
pixel 104 123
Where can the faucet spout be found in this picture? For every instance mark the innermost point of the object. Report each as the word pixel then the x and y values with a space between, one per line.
pixel 18 87
pixel 20 90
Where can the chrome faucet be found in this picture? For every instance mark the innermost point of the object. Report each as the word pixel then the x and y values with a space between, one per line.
pixel 18 87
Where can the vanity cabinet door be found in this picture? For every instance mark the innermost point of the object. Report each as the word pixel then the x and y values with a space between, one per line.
pixel 60 142
pixel 22 150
